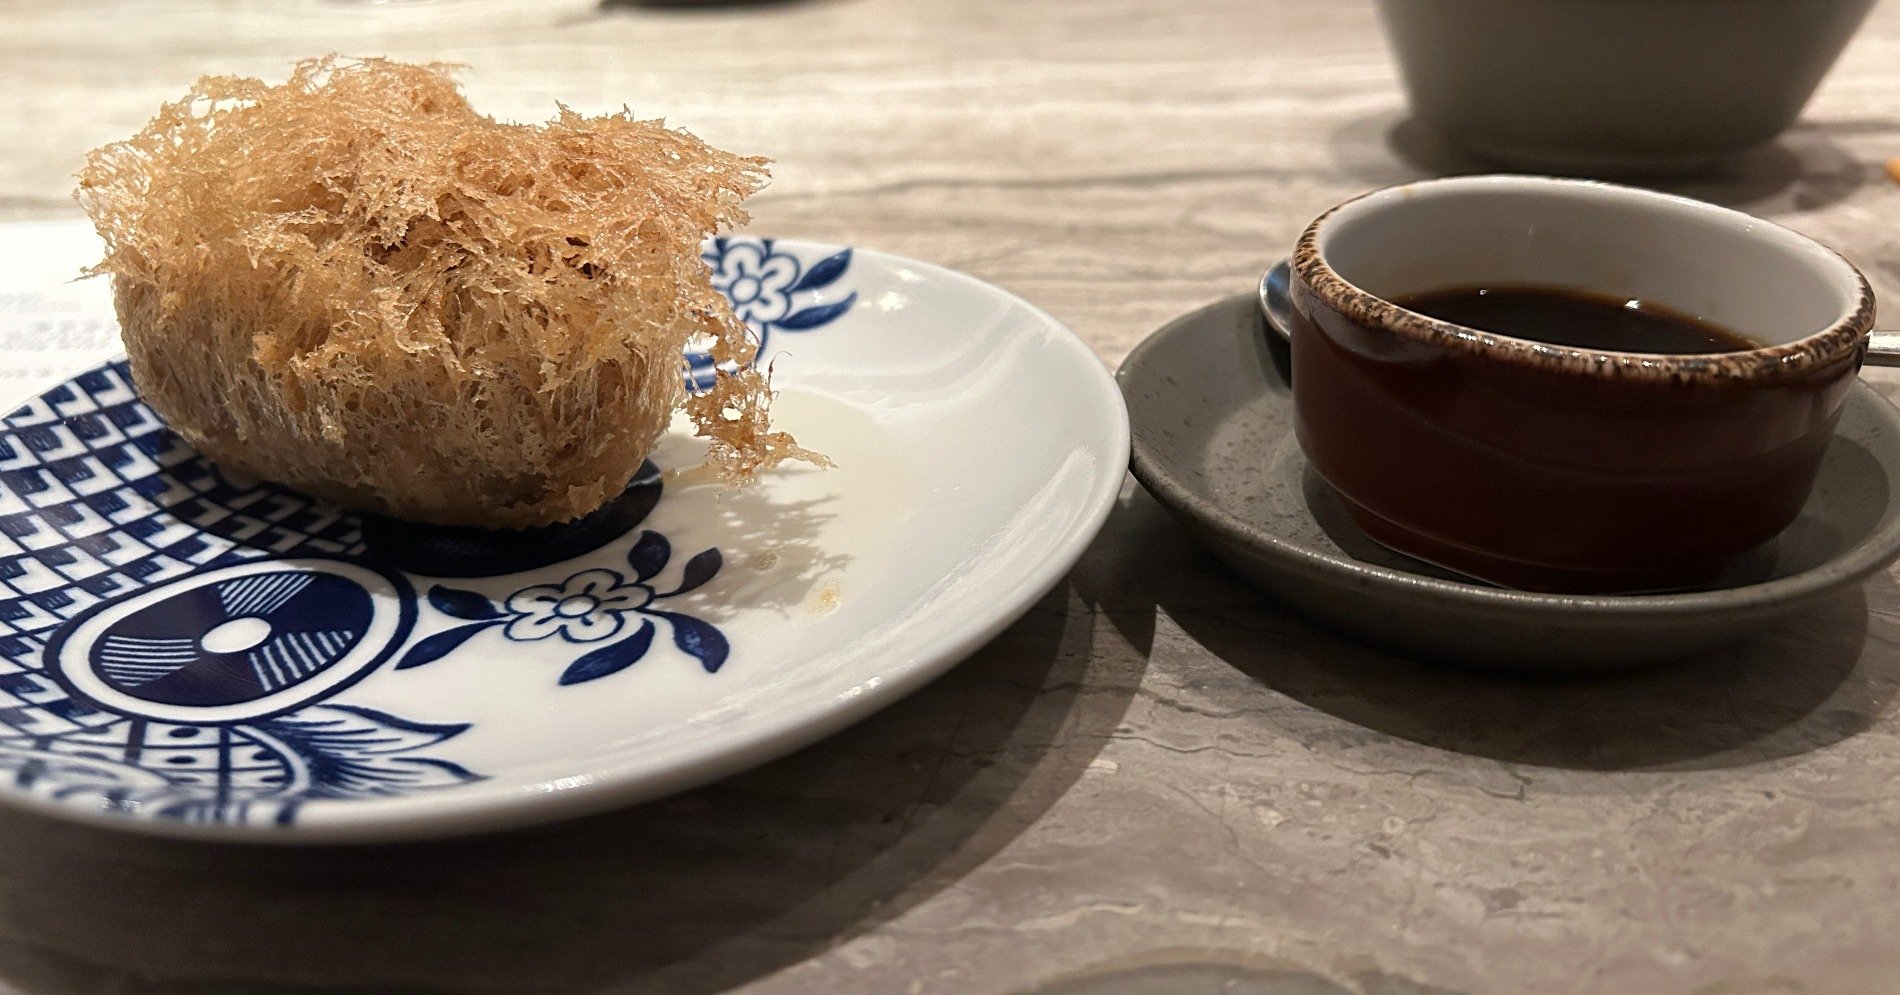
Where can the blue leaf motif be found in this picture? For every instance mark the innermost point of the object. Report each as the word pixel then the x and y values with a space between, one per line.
pixel 649 555
pixel 823 273
pixel 351 751
pixel 362 729
pixel 699 570
pixel 816 315
pixel 611 659
pixel 462 604
pixel 439 645
pixel 432 772
pixel 700 639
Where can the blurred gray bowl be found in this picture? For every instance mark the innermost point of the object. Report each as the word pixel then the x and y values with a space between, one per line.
pixel 1615 87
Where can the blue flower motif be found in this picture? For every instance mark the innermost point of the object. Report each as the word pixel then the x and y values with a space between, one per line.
pixel 592 606
pixel 585 608
pixel 756 280
pixel 770 290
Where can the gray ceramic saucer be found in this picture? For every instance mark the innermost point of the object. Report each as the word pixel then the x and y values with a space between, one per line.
pixel 1212 417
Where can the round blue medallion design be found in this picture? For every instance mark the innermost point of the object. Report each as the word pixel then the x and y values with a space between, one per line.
pixel 233 641
pixel 237 642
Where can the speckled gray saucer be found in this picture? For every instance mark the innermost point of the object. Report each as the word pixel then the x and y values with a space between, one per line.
pixel 1212 416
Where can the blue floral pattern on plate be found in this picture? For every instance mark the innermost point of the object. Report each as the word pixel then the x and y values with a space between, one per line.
pixel 589 607
pixel 172 641
pixel 771 290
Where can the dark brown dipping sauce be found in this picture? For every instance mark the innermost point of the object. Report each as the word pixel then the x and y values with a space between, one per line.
pixel 1578 318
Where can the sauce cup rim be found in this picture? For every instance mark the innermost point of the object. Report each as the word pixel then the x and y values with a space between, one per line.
pixel 1845 337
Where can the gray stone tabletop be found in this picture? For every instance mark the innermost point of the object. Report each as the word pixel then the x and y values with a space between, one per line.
pixel 1157 781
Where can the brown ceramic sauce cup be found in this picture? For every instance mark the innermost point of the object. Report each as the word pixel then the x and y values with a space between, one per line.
pixel 1552 468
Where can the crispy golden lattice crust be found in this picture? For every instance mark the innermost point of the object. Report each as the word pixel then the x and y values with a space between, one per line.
pixel 356 285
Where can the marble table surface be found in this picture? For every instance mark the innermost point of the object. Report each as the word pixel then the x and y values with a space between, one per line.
pixel 1158 780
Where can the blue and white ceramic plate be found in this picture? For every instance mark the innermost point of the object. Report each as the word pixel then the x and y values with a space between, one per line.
pixel 188 653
